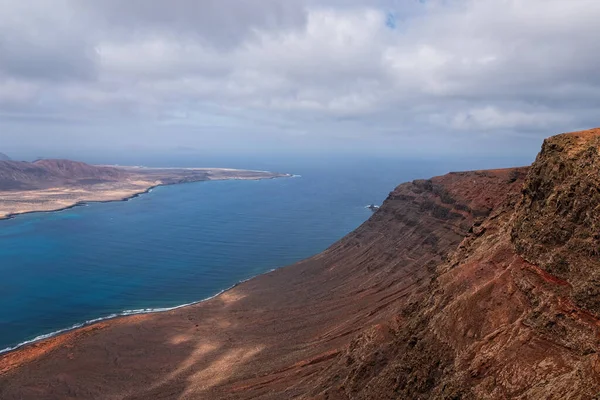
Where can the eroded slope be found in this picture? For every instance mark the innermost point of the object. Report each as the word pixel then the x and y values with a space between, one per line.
pixel 512 313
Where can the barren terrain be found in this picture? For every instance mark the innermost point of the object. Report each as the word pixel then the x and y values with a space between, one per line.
pixel 50 185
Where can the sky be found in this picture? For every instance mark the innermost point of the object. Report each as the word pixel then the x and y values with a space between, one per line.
pixel 397 77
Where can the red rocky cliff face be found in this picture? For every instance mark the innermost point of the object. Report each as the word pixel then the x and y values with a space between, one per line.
pixel 513 311
pixel 557 223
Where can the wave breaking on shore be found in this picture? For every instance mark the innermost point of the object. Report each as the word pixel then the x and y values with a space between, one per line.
pixel 124 313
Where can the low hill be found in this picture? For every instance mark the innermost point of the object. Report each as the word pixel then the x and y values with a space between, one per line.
pixel 18 175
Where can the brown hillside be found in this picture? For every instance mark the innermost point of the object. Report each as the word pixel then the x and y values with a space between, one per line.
pixel 18 175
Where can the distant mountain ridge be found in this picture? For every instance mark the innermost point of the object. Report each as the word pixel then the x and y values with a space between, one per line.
pixel 4 157
pixel 19 175
pixel 78 170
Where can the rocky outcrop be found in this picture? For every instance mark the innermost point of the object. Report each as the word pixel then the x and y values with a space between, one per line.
pixel 557 223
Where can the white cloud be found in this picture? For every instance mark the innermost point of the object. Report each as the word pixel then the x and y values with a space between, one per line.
pixel 475 66
pixel 492 118
pixel 14 92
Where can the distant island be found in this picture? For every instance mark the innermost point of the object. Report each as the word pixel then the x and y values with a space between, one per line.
pixel 51 185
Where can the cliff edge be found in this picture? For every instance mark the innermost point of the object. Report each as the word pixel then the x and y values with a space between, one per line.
pixel 513 310
pixel 557 223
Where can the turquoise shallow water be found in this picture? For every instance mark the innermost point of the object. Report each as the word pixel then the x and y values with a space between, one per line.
pixel 179 244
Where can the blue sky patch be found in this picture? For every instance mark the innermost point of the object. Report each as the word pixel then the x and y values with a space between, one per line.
pixel 390 20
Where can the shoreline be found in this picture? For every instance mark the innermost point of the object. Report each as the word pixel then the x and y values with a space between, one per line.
pixel 82 203
pixel 124 313
pixel 121 315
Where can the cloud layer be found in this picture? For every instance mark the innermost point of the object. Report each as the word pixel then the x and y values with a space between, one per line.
pixel 317 73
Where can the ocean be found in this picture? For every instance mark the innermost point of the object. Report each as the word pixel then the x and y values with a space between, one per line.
pixel 183 243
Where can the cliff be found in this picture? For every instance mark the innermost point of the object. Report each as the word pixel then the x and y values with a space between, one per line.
pixel 513 311
pixel 557 223
pixel 471 285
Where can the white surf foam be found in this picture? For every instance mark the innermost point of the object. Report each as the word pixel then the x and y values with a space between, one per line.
pixel 112 316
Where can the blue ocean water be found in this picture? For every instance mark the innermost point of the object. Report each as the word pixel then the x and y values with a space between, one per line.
pixel 182 243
